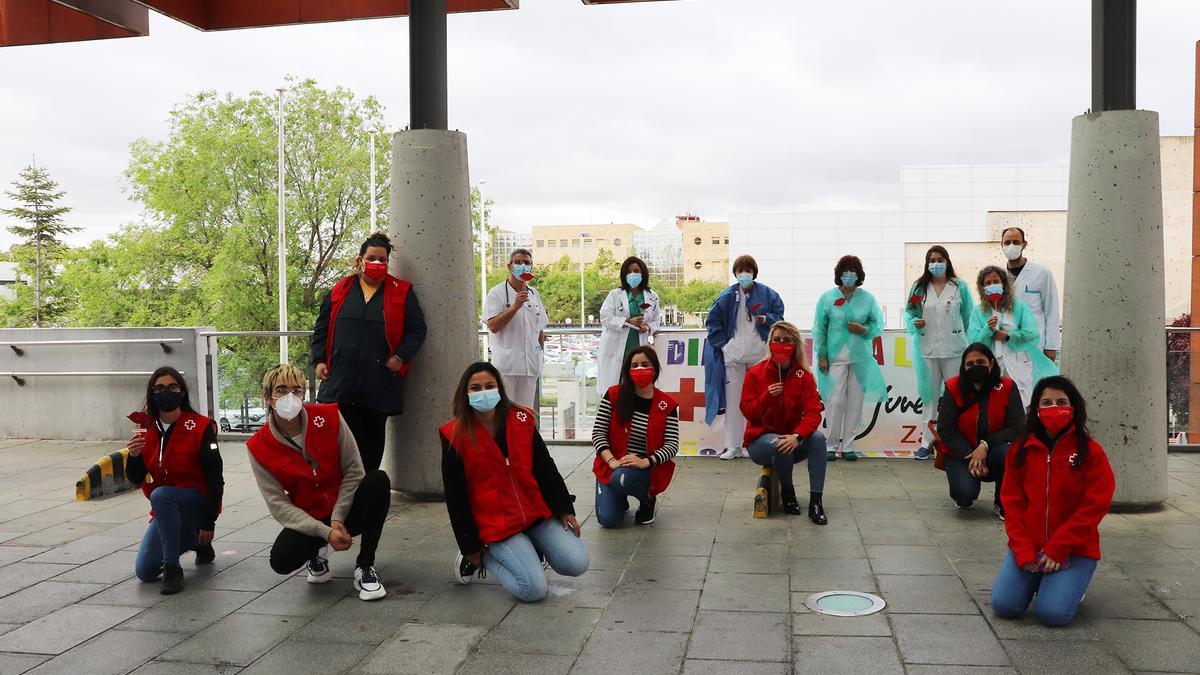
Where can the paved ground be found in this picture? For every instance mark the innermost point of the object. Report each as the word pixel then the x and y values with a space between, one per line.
pixel 706 589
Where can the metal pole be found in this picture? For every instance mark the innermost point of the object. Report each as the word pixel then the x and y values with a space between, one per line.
pixel 427 64
pixel 282 243
pixel 582 252
pixel 374 205
pixel 482 251
pixel 1114 55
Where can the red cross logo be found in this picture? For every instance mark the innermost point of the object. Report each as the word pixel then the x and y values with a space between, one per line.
pixel 689 399
pixel 521 417
pixel 662 405
pixel 318 421
pixel 189 425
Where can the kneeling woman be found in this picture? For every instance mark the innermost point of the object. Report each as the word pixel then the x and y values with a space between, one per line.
pixel 173 455
pixel 635 446
pixel 508 505
pixel 309 471
pixel 783 410
pixel 1058 489
pixel 975 444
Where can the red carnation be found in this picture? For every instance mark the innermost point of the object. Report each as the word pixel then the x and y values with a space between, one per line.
pixel 141 418
pixel 839 302
pixel 756 308
pixel 644 305
pixel 527 277
pixel 916 299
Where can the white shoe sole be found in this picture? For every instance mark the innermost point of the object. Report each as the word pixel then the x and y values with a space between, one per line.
pixel 323 579
pixel 364 594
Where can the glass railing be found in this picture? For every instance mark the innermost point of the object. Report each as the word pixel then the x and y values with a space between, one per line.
pixel 1183 394
pixel 236 363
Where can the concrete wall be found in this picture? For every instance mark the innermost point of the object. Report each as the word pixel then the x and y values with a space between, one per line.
pixel 89 408
pixel 712 253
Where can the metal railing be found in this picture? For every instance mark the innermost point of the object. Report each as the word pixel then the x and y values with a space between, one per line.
pixel 163 342
pixel 19 377
pixel 1183 395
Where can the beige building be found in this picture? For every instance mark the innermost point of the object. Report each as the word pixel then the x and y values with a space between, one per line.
pixel 705 249
pixel 552 242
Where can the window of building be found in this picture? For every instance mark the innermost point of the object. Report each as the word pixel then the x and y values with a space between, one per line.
pixel 553 243
pixel 574 243
pixel 726 241
pixel 617 241
pixel 716 241
pixel 697 241
pixel 698 265
pixel 541 243
pixel 562 243
pixel 587 243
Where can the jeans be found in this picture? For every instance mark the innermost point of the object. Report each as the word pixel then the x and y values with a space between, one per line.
pixel 964 488
pixel 372 499
pixel 514 561
pixel 1058 594
pixel 177 514
pixel 368 427
pixel 612 500
pixel 762 450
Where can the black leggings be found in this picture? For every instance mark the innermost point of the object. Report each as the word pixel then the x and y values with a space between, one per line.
pixel 964 488
pixel 369 427
pixel 293 549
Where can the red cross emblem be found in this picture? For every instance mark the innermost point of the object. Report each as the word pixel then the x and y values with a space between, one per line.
pixel 662 405
pixel 522 417
pixel 318 421
pixel 688 398
pixel 189 425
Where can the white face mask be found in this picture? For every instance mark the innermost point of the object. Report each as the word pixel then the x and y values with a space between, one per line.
pixel 1012 251
pixel 288 407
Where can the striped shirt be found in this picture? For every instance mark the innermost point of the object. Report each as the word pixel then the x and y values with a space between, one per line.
pixel 637 430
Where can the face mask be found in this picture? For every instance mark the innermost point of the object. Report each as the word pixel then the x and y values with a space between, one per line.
pixel 485 400
pixel 288 407
pixel 782 352
pixel 1012 251
pixel 745 280
pixel 994 292
pixel 634 279
pixel 978 374
pixel 642 377
pixel 937 269
pixel 1056 418
pixel 849 279
pixel 523 271
pixel 374 270
pixel 167 401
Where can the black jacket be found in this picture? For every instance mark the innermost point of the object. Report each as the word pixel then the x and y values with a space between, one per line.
pixel 357 372
pixel 957 445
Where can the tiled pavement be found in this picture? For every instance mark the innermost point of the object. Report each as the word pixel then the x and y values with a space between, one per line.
pixel 706 589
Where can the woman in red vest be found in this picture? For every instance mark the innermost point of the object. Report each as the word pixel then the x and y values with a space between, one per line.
pixel 635 446
pixel 974 444
pixel 367 333
pixel 508 505
pixel 1058 488
pixel 308 469
pixel 173 455
pixel 783 412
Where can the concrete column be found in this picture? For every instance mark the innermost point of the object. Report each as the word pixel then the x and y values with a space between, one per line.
pixel 431 228
pixel 1113 305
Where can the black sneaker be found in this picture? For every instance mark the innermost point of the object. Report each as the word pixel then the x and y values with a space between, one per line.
pixel 205 554
pixel 963 506
pixel 645 512
pixel 367 583
pixel 172 580
pixel 465 571
pixel 318 567
pixel 816 513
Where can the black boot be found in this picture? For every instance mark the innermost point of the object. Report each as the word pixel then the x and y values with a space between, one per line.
pixel 172 580
pixel 816 512
pixel 790 505
pixel 205 554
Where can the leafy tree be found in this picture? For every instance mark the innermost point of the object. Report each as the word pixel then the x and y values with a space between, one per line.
pixel 693 298
pixel 1179 376
pixel 37 196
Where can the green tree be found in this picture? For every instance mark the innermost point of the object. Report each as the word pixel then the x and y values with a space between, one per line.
pixel 693 298
pixel 37 197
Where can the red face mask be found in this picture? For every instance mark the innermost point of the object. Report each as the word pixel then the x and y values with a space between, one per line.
pixel 1056 418
pixel 374 270
pixel 782 352
pixel 641 377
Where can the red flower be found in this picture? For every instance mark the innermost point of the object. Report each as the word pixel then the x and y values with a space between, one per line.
pixel 141 418
pixel 756 308
pixel 527 277
pixel 916 299
pixel 839 302
pixel 644 305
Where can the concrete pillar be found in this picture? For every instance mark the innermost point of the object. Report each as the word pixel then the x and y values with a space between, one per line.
pixel 430 224
pixel 1113 304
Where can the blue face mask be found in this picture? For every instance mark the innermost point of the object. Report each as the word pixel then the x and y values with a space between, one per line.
pixel 937 269
pixel 634 279
pixel 849 279
pixel 519 269
pixel 993 289
pixel 485 400
pixel 745 280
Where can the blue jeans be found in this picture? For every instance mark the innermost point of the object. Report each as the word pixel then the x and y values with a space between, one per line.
pixel 1058 594
pixel 177 514
pixel 514 561
pixel 612 500
pixel 764 453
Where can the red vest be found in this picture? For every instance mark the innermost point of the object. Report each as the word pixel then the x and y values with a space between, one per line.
pixel 618 440
pixel 968 419
pixel 504 496
pixel 177 464
pixel 395 295
pixel 312 489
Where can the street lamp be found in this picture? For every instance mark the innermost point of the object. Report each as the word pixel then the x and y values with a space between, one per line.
pixel 482 251
pixel 374 207
pixel 283 312
pixel 582 245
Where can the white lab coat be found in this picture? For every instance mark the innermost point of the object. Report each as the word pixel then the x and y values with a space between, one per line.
pixel 516 350
pixel 1036 288
pixel 613 316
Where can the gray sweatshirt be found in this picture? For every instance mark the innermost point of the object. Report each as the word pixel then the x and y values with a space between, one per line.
pixel 289 515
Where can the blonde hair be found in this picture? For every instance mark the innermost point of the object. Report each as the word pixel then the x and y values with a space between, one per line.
pixel 285 374
pixel 799 357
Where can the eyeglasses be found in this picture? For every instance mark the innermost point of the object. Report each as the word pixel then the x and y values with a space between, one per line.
pixel 160 388
pixel 282 390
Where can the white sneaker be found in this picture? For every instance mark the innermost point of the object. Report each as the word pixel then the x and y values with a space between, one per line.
pixel 318 567
pixel 366 582
pixel 730 453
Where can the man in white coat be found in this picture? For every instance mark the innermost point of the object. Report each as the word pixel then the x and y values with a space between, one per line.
pixel 517 321
pixel 1034 285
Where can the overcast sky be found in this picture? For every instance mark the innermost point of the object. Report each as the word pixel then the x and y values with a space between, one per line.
pixel 632 113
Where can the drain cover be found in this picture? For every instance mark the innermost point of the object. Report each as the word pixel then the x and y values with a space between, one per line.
pixel 844 603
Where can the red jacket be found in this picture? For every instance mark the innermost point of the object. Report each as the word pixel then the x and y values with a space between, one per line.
pixel 796 411
pixel 178 464
pixel 312 488
pixel 968 418
pixel 395 296
pixel 618 440
pixel 504 495
pixel 1052 506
